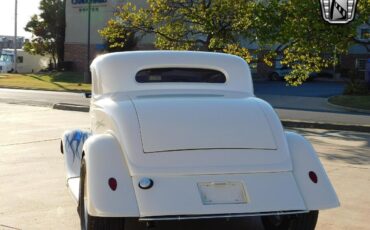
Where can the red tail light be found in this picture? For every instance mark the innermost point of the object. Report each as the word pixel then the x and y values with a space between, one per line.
pixel 112 182
pixel 313 177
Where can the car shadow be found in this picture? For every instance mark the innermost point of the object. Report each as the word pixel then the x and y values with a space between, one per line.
pixel 215 224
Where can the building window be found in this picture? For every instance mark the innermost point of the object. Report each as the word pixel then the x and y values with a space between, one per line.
pixel 361 64
pixel 19 59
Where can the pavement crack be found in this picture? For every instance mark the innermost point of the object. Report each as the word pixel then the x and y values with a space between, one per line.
pixel 29 142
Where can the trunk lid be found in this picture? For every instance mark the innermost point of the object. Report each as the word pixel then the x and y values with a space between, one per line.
pixel 201 122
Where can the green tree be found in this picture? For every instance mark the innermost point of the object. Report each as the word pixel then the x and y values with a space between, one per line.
pixel 48 30
pixel 295 30
pixel 212 25
pixel 292 29
pixel 118 38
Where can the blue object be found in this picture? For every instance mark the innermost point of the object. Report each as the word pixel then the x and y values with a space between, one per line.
pixel 75 140
pixel 100 47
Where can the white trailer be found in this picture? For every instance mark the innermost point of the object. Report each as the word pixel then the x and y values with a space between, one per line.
pixel 26 62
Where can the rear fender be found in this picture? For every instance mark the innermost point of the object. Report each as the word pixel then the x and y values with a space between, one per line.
pixel 72 144
pixel 105 160
pixel 320 195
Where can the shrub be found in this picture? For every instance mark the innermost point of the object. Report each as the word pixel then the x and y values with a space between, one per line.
pixel 355 86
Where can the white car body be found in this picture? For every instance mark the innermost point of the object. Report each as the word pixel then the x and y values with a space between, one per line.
pixel 211 149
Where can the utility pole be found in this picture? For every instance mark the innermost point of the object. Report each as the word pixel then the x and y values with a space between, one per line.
pixel 15 35
pixel 87 75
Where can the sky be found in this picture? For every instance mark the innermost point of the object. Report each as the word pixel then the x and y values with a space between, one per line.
pixel 26 8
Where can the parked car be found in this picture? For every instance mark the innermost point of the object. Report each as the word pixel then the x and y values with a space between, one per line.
pixel 322 74
pixel 180 135
pixel 279 73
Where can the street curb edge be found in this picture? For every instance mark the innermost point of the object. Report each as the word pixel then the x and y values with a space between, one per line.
pixel 71 107
pixel 329 126
pixel 347 108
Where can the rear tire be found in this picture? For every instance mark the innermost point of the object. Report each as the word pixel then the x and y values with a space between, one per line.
pixel 91 222
pixel 304 221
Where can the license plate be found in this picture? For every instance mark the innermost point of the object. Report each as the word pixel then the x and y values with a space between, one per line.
pixel 222 193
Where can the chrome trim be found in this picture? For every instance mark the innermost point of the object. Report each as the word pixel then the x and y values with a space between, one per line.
pixel 214 216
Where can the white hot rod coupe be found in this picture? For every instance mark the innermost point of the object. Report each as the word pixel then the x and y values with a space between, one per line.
pixel 179 135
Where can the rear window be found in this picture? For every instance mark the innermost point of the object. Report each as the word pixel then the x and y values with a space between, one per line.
pixel 180 75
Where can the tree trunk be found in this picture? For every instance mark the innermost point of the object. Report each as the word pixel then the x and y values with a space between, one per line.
pixel 54 61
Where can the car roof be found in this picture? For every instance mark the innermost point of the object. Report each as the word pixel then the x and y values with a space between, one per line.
pixel 115 72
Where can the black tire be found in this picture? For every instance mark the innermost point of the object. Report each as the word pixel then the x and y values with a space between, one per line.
pixel 91 222
pixel 304 221
pixel 274 76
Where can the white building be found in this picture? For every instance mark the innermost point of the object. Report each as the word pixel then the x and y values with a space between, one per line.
pixel 77 28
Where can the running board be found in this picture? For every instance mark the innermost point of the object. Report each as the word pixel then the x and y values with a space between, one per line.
pixel 231 215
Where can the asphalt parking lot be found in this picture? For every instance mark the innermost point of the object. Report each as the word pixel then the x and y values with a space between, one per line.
pixel 33 194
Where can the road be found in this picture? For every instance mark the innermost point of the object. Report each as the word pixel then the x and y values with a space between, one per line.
pixel 33 193
pixel 308 89
pixel 41 98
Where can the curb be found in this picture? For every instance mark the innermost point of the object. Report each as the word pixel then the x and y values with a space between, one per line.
pixel 286 123
pixel 347 108
pixel 329 126
pixel 71 107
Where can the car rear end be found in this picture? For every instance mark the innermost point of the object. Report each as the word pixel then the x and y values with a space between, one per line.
pixel 188 140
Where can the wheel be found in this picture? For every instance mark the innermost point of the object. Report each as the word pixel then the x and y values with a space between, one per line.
pixel 304 221
pixel 274 76
pixel 91 222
